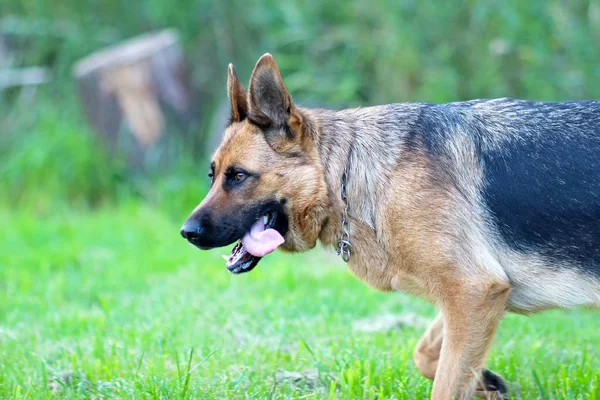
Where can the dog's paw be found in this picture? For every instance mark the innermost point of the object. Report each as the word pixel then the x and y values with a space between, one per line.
pixel 495 388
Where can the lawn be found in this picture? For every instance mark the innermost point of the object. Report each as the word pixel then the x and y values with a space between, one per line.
pixel 113 303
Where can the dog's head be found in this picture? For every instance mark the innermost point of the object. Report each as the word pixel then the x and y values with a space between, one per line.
pixel 267 185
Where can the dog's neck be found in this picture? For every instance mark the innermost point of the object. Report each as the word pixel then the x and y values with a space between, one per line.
pixel 333 142
pixel 367 142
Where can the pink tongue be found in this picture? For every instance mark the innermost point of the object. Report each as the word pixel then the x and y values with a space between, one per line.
pixel 260 242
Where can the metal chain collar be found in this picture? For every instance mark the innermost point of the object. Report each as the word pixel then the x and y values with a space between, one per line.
pixel 344 246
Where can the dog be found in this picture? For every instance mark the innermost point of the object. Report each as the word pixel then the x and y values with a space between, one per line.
pixel 481 207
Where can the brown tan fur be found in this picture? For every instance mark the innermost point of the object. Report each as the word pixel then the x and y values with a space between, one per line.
pixel 412 226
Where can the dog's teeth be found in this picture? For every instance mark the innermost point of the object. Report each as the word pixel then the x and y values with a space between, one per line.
pixel 226 258
pixel 265 219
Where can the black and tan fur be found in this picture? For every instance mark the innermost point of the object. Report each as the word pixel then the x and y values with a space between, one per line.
pixel 480 207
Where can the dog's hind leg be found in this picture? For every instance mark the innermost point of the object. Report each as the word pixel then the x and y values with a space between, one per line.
pixel 471 315
pixel 427 355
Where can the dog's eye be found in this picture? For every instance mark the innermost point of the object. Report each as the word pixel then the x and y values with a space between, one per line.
pixel 235 176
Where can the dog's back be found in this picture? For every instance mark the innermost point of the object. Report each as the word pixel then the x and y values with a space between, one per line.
pixel 539 188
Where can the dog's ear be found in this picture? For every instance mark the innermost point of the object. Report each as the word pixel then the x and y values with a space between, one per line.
pixel 237 96
pixel 271 106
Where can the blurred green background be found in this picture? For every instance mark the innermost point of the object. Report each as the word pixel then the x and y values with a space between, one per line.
pixel 100 298
pixel 331 53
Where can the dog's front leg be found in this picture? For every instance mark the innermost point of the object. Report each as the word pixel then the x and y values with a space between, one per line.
pixel 471 315
pixel 427 355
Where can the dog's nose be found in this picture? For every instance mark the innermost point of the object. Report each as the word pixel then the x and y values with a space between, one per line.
pixel 191 229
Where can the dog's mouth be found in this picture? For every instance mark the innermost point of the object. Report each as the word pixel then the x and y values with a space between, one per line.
pixel 262 238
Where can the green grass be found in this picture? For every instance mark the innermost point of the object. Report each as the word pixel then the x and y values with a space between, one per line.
pixel 113 303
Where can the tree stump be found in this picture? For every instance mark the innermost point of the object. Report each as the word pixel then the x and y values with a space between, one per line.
pixel 137 95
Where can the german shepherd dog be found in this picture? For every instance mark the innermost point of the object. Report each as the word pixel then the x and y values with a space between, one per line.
pixel 481 207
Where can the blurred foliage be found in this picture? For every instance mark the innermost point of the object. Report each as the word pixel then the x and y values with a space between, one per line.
pixel 332 53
